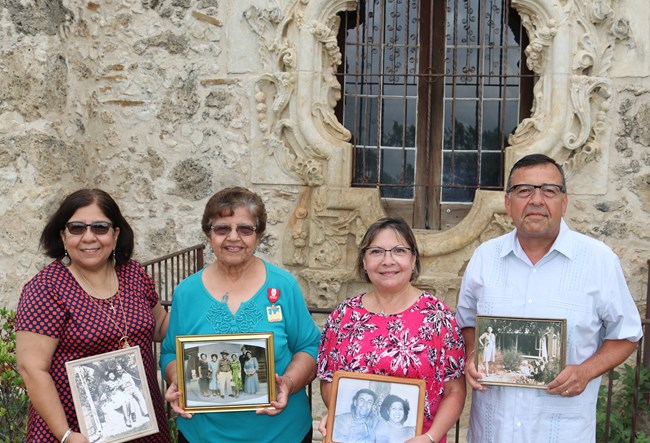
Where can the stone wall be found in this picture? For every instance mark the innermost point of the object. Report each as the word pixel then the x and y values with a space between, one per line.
pixel 163 102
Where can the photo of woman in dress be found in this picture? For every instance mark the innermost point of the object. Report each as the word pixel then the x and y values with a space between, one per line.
pixel 488 342
pixel 114 399
pixel 237 382
pixel 251 384
pixel 213 368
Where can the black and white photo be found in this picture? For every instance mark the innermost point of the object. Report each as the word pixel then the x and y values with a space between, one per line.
pixel 368 408
pixel 112 397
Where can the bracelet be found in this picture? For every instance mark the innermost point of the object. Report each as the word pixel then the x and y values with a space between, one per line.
pixel 469 356
pixel 66 435
pixel 430 437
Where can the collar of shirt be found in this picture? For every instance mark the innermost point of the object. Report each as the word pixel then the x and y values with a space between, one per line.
pixel 562 245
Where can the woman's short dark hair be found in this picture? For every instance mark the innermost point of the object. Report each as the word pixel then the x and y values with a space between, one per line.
pixel 386 404
pixel 397 224
pixel 51 241
pixel 224 203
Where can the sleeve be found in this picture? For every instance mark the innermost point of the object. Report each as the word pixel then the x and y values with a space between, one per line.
pixel 466 307
pixel 302 332
pixel 620 315
pixel 454 345
pixel 148 286
pixel 328 351
pixel 41 308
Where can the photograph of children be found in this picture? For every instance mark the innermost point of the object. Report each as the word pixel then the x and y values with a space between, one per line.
pixel 225 373
pixel 112 397
pixel 526 352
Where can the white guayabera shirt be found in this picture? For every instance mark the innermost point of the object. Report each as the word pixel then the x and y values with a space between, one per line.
pixel 580 279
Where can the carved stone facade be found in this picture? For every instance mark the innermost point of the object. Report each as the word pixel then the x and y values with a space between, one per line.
pixel 164 102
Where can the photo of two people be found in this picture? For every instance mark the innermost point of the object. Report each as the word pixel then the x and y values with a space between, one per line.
pixel 375 409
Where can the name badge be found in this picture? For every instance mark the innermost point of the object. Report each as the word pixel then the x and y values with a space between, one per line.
pixel 274 313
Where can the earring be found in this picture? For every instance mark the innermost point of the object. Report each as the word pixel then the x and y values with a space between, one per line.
pixel 66 260
pixel 114 261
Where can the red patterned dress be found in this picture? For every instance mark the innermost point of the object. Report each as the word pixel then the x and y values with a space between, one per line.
pixel 421 342
pixel 53 304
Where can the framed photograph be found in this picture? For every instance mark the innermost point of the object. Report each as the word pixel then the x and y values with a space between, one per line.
pixel 225 372
pixel 368 408
pixel 524 352
pixel 111 396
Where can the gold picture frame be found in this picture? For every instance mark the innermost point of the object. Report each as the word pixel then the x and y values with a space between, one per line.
pixel 111 396
pixel 520 351
pixel 204 390
pixel 361 403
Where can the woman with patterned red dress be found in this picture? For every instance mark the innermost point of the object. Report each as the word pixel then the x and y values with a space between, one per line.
pixel 397 329
pixel 90 300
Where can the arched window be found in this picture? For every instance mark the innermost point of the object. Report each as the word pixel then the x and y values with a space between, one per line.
pixel 431 91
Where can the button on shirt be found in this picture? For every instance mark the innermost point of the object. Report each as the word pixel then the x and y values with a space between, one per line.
pixel 580 279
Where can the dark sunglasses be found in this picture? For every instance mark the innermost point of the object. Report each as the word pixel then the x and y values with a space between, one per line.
pixel 242 230
pixel 97 228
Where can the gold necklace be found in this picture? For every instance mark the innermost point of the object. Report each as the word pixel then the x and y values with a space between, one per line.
pixel 123 343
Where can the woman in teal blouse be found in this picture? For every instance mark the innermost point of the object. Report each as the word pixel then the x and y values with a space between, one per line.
pixel 232 295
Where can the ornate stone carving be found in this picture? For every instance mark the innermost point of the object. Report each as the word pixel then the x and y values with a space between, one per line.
pixel 570 52
pixel 573 93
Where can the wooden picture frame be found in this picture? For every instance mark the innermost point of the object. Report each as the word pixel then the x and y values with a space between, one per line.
pixel 111 396
pixel 204 391
pixel 360 407
pixel 520 351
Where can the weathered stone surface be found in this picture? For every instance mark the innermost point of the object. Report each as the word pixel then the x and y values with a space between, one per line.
pixel 640 130
pixel 38 17
pixel 193 180
pixel 33 87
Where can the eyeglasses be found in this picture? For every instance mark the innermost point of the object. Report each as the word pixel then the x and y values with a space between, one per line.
pixel 97 228
pixel 242 230
pixel 397 252
pixel 526 190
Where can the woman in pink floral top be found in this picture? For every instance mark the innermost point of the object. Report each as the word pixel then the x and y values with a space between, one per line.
pixel 396 329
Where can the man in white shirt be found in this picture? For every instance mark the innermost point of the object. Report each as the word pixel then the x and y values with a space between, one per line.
pixel 545 270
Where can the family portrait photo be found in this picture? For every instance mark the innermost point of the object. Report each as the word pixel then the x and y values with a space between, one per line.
pixel 111 396
pixel 226 372
pixel 368 408
pixel 525 352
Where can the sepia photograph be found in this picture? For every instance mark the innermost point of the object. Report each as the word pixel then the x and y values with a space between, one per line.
pixel 111 396
pixel 225 372
pixel 525 352
pixel 368 408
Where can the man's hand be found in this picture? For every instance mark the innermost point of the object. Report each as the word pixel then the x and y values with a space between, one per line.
pixel 472 374
pixel 570 382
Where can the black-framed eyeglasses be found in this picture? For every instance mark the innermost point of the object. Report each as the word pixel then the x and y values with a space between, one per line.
pixel 97 228
pixel 242 230
pixel 525 190
pixel 397 251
